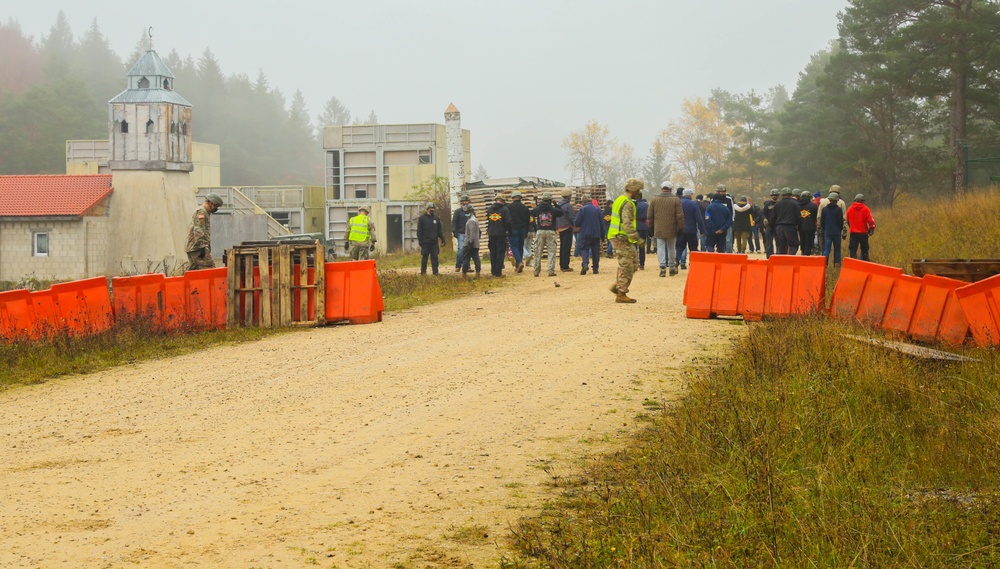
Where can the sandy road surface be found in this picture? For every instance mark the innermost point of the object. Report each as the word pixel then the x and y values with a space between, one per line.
pixel 387 445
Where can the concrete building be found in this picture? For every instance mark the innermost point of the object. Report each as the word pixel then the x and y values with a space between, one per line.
pixel 379 165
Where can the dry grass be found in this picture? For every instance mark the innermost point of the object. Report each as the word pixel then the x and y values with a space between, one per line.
pixel 802 449
pixel 947 228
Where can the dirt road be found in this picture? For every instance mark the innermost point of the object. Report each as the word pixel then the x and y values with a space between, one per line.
pixel 411 443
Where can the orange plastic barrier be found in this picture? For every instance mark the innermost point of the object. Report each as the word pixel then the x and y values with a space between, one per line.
pixel 713 284
pixel 139 296
pixel 754 296
pixel 205 298
pixel 17 319
pixel 796 285
pixel 902 303
pixel 939 315
pixel 84 306
pixel 353 292
pixel 863 290
pixel 981 304
pixel 48 322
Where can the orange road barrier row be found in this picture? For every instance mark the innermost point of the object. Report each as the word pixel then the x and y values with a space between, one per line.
pixel 77 308
pixel 196 300
pixel 353 292
pixel 981 304
pixel 926 309
pixel 721 284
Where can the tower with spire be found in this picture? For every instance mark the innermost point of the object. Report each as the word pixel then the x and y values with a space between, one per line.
pixel 149 123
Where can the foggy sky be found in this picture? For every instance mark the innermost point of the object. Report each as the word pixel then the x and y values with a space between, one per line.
pixel 523 73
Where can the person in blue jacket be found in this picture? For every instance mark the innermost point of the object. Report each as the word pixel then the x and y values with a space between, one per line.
pixel 590 221
pixel 718 220
pixel 694 223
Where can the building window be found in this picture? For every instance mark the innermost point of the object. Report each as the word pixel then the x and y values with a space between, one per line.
pixel 149 126
pixel 424 156
pixel 40 244
pixel 173 128
pixel 144 83
pixel 361 191
pixel 166 84
pixel 125 127
pixel 184 128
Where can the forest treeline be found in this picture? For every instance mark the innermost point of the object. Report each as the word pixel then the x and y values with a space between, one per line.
pixel 57 89
pixel 905 100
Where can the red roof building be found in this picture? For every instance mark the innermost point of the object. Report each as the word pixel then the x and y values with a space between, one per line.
pixel 52 195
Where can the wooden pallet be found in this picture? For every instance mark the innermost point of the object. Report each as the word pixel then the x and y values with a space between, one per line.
pixel 969 270
pixel 270 285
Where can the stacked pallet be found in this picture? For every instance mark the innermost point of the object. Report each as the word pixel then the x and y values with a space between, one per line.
pixel 483 198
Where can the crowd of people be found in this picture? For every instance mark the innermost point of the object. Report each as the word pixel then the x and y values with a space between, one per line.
pixel 670 224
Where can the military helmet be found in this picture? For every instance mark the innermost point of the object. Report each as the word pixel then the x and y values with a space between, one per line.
pixel 546 195
pixel 515 194
pixel 796 192
pixel 859 198
pixel 430 205
pixel 500 198
pixel 363 208
pixel 775 192
pixel 720 188
pixel 214 198
pixel 566 193
pixel 786 191
pixel 464 198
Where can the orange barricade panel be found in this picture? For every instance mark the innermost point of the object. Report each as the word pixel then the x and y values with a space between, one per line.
pixel 796 285
pixel 17 319
pixel 902 304
pixel 729 272
pixel 205 297
pixel 47 319
pixel 714 283
pixel 175 303
pixel 699 286
pixel 755 287
pixel 863 290
pixel 84 305
pixel 139 297
pixel 980 302
pixel 352 292
pixel 939 316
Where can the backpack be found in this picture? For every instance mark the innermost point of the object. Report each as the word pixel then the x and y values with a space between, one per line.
pixel 545 220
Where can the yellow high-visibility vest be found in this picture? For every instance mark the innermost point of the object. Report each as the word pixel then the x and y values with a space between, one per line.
pixel 359 228
pixel 615 227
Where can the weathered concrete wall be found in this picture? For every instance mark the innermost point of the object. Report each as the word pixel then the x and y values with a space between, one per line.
pixel 150 216
pixel 229 230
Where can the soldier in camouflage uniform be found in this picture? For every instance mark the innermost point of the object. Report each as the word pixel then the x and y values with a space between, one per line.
pixel 623 233
pixel 361 237
pixel 199 240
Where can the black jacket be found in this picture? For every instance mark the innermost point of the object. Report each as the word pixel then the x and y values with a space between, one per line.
pixel 767 212
pixel 786 212
pixel 809 214
pixel 497 220
pixel 458 221
pixel 429 229
pixel 519 215
pixel 554 212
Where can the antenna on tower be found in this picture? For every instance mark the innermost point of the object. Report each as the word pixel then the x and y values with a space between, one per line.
pixel 149 33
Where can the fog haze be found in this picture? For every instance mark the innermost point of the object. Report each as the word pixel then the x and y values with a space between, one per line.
pixel 524 74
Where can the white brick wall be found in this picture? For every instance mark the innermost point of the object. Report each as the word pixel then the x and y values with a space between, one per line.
pixel 77 249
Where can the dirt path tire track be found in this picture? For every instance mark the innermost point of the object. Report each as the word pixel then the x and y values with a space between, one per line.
pixel 347 446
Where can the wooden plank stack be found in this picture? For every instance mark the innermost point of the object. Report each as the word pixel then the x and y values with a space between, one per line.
pixel 968 270
pixel 482 198
pixel 273 285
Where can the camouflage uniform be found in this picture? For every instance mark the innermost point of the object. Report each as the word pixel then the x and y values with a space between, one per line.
pixel 361 250
pixel 625 254
pixel 199 241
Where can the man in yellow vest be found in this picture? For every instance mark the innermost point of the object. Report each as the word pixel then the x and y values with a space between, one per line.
pixel 362 235
pixel 624 235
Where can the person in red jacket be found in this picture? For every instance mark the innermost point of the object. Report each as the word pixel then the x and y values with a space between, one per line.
pixel 861 224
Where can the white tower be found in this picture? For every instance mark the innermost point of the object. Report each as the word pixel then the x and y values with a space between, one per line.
pixel 456 154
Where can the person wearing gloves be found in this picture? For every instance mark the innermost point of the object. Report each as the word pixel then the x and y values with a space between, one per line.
pixel 429 234
pixel 861 226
